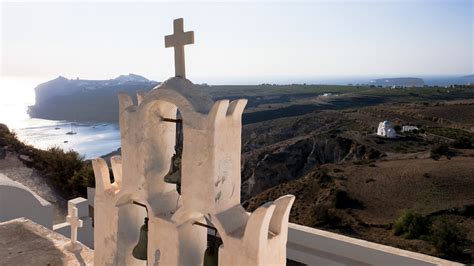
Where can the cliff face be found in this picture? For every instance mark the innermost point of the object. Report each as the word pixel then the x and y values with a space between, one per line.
pixel 52 88
pixel 82 100
pixel 269 167
pixel 286 149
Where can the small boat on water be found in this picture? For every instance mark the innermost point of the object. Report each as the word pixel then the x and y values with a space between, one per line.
pixel 72 132
pixel 66 141
pixel 56 128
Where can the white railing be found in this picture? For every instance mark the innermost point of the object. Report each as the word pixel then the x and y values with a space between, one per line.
pixel 317 247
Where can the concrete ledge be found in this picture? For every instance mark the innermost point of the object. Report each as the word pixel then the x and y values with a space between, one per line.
pixel 23 242
pixel 317 247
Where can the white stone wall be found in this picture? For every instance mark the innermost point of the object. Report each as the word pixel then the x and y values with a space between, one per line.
pixel 18 201
pixel 317 247
pixel 85 234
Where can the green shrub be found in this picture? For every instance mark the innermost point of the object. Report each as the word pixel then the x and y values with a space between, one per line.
pixel 447 237
pixel 462 143
pixel 326 216
pixel 342 200
pixel 82 179
pixel 8 138
pixel 411 225
pixel 323 175
pixel 65 170
pixel 439 150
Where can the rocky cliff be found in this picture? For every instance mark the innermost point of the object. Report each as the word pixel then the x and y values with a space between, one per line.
pixel 84 100
pixel 286 149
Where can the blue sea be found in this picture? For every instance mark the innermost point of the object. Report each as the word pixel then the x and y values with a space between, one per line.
pixel 91 139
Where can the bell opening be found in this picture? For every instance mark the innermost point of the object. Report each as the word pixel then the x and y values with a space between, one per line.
pixel 174 175
pixel 211 255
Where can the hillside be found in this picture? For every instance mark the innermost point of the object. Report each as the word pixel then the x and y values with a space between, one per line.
pixel 349 181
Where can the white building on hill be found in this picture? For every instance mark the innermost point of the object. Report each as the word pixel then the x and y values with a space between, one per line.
pixel 409 128
pixel 386 130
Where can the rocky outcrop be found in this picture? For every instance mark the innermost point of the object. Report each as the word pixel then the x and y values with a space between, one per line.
pixel 270 166
pixel 286 149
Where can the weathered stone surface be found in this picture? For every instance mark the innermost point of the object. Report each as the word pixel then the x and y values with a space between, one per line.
pixel 258 238
pixel 23 242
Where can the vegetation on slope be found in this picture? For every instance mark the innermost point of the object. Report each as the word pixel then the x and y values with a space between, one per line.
pixel 67 171
pixel 448 238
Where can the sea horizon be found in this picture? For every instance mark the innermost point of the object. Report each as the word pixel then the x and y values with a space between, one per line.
pixel 18 93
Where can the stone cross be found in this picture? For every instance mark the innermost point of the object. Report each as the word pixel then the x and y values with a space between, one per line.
pixel 73 219
pixel 178 40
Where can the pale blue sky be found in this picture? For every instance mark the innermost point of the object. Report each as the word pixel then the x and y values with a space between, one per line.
pixel 233 41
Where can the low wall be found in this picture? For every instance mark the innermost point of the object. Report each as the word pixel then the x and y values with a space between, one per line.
pixel 16 200
pixel 317 247
pixel 85 234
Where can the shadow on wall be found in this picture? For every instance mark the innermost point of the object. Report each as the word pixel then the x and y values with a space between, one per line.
pixel 18 201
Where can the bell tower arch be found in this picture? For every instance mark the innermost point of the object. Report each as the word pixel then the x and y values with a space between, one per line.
pixel 210 178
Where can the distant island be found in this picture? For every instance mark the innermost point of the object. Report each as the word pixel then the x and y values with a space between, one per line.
pixel 470 78
pixel 84 100
pixel 398 82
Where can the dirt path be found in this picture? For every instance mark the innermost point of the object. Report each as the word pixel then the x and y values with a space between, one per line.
pixel 12 167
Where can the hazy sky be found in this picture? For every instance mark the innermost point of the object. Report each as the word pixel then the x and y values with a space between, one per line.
pixel 239 40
